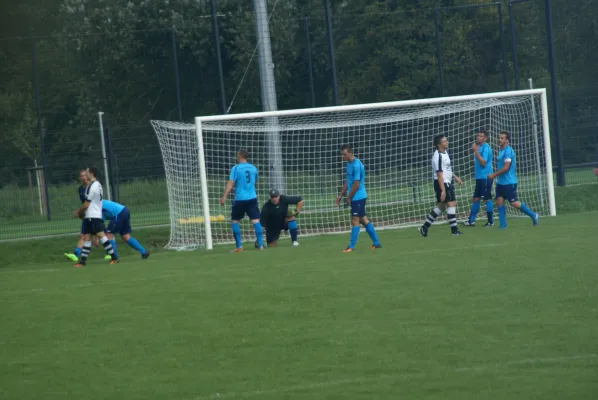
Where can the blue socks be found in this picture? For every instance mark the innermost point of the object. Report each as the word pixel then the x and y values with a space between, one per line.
pixel 77 251
pixel 475 209
pixel 354 236
pixel 237 234
pixel 525 209
pixel 369 228
pixel 502 216
pixel 490 211
pixel 259 234
pixel 293 230
pixel 113 243
pixel 135 244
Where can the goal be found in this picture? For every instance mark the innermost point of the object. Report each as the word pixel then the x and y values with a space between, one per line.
pixel 297 152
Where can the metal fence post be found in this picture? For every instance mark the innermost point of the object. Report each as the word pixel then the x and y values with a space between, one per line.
pixel 40 126
pixel 560 177
pixel 514 46
pixel 438 53
pixel 310 71
pixel 503 61
pixel 216 34
pixel 331 51
pixel 177 79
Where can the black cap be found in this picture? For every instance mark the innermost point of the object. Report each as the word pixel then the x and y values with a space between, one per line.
pixel 274 193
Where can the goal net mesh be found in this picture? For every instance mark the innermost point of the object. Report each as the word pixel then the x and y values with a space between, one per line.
pixel 394 143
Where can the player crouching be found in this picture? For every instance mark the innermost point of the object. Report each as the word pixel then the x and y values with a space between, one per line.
pixel 120 223
pixel 276 216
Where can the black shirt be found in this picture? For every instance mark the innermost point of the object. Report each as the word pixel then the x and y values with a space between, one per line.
pixel 273 216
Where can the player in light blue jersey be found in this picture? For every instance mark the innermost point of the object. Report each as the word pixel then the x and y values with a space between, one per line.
pixel 506 181
pixel 355 183
pixel 120 222
pixel 243 177
pixel 482 160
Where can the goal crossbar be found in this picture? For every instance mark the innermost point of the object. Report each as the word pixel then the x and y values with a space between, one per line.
pixel 372 106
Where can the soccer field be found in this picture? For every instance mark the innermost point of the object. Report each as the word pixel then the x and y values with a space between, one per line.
pixel 488 315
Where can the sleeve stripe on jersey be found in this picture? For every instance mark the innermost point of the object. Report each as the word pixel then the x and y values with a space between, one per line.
pixel 439 162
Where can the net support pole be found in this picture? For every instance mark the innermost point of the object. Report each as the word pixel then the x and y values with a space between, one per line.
pixel 203 179
pixel 104 158
pixel 268 91
pixel 547 154
pixel 536 144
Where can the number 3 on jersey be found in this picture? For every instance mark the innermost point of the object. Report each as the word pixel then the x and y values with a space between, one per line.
pixel 247 177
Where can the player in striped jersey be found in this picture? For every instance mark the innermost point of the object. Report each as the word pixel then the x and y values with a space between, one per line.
pixel 443 186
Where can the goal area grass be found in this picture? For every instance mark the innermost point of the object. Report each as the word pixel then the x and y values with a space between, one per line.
pixel 492 314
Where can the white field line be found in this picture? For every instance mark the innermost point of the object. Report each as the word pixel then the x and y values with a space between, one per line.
pixel 352 381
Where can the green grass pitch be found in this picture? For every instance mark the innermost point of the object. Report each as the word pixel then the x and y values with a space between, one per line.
pixel 488 315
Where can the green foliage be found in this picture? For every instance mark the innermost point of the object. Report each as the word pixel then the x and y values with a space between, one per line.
pixel 116 56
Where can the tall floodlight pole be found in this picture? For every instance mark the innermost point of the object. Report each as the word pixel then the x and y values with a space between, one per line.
pixel 268 89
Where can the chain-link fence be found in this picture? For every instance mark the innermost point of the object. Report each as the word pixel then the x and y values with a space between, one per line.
pixel 138 64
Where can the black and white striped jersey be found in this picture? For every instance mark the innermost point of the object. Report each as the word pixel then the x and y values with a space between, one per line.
pixel 441 162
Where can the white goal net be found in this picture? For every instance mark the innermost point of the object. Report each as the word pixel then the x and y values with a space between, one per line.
pixel 393 140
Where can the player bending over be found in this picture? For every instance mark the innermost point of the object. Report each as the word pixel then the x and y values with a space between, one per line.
pixel 120 222
pixel 506 182
pixel 276 216
pixel 93 225
pixel 243 177
pixel 444 187
pixel 482 160
pixel 355 183
pixel 74 256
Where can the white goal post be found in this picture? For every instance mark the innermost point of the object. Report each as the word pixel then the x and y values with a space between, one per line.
pixel 393 140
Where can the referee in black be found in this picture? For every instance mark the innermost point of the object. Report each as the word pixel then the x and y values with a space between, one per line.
pixel 276 216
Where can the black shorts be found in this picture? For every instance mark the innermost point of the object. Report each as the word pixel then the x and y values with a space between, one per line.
pixel 121 223
pixel 483 189
pixel 242 207
pixel 449 189
pixel 273 234
pixel 507 192
pixel 93 226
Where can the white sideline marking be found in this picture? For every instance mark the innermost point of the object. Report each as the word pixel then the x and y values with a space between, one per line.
pixel 341 382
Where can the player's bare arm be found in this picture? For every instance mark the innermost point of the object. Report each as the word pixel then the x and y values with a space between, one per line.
pixel 501 171
pixel 340 195
pixel 229 186
pixel 440 177
pixel 475 148
pixel 354 189
pixel 459 181
pixel 81 211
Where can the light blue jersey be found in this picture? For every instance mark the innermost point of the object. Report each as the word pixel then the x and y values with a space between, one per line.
pixel 111 209
pixel 356 172
pixel 509 177
pixel 486 153
pixel 245 176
